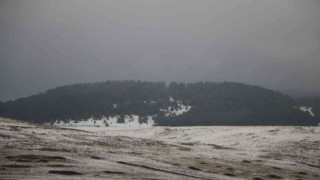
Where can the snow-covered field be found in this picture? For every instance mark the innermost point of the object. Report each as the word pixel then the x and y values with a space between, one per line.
pixel 29 151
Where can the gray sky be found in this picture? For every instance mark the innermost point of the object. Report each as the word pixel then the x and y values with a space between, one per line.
pixel 271 43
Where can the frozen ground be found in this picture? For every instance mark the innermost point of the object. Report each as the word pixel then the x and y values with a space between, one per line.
pixel 29 151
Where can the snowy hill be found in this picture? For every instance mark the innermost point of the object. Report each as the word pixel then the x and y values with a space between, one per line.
pixel 124 103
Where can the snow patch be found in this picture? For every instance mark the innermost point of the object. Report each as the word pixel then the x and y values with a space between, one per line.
pixel 124 122
pixel 307 109
pixel 171 112
pixel 110 122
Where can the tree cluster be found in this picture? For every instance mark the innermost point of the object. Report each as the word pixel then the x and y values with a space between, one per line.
pixel 212 104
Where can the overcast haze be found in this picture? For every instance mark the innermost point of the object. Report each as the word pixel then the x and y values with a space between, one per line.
pixel 271 43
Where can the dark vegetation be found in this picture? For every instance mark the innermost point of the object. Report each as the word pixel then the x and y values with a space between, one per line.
pixel 212 104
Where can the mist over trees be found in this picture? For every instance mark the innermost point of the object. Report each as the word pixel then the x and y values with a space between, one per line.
pixel 212 104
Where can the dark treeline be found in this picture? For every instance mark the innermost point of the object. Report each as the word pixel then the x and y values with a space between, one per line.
pixel 212 103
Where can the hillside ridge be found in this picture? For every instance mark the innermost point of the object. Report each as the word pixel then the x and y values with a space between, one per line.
pixel 175 104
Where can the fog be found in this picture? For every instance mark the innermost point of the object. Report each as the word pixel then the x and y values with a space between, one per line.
pixel 44 44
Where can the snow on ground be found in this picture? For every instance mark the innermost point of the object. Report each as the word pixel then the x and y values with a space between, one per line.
pixel 130 121
pixel 244 137
pixel 181 109
pixel 92 124
pixel 30 151
pixel 172 112
pixel 178 111
pixel 307 109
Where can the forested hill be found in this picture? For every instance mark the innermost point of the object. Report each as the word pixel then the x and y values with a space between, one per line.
pixel 176 104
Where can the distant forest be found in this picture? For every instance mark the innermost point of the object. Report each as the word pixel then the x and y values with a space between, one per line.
pixel 211 103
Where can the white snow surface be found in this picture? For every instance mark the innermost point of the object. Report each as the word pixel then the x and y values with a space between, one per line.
pixel 130 121
pixel 91 124
pixel 307 109
pixel 242 137
pixel 181 109
pixel 171 112
pixel 160 152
